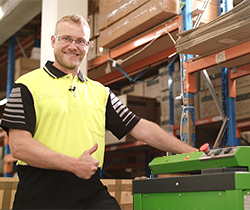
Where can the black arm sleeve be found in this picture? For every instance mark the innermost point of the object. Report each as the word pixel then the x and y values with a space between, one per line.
pixel 19 112
pixel 119 119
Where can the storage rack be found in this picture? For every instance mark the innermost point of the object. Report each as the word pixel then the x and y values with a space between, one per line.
pixel 233 128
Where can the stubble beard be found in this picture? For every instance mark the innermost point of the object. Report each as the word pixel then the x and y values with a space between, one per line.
pixel 59 59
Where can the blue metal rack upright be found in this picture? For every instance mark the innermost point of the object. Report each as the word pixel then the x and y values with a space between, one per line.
pixel 10 81
pixel 188 109
pixel 228 103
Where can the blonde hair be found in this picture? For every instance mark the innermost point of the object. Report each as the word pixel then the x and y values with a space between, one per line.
pixel 75 18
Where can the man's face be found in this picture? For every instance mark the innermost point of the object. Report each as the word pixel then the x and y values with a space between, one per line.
pixel 68 56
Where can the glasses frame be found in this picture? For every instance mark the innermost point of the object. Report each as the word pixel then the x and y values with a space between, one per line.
pixel 77 42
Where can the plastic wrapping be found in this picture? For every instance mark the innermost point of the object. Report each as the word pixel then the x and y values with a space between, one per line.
pixel 147 16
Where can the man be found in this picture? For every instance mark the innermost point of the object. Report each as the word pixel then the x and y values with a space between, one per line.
pixel 56 119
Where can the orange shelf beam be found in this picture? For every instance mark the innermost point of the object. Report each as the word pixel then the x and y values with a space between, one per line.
pixel 212 60
pixel 171 26
pixel 218 58
pixel 240 72
pixel 136 67
pixel 201 122
pixel 242 126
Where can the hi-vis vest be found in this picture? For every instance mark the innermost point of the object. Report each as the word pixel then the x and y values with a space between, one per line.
pixel 68 121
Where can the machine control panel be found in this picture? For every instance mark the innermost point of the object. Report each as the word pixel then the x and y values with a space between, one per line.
pixel 218 153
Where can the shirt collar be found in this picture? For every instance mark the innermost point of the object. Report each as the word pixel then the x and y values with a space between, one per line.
pixel 56 73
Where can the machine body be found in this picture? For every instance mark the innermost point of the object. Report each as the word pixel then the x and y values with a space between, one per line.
pixel 218 180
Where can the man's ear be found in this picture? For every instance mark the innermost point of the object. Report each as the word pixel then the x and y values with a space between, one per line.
pixel 53 40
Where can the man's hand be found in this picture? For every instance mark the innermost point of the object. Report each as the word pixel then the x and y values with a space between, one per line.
pixel 87 165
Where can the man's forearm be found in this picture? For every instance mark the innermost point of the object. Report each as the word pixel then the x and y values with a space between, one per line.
pixel 32 152
pixel 155 136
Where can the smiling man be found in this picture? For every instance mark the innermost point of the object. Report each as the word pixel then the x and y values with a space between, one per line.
pixel 56 119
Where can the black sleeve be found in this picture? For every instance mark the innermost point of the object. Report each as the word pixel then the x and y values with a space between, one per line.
pixel 119 119
pixel 19 112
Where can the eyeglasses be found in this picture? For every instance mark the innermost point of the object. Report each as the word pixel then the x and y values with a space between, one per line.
pixel 67 40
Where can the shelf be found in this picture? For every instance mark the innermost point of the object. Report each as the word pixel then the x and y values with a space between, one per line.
pixel 235 56
pixel 239 71
pixel 158 52
pixel 202 122
pixel 134 44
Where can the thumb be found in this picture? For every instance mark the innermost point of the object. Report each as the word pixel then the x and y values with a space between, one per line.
pixel 93 149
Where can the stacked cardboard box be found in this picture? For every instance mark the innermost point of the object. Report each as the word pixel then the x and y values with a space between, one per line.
pixel 135 20
pixel 141 106
pixel 121 189
pixel 242 102
pixel 136 89
pixel 112 11
pixel 225 31
pixel 207 105
pixel 215 78
pixel 211 12
pixel 8 189
pixel 25 65
pixel 165 110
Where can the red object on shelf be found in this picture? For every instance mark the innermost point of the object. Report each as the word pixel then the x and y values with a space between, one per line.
pixel 205 148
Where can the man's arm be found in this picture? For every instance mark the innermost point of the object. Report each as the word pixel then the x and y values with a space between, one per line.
pixel 32 152
pixel 155 136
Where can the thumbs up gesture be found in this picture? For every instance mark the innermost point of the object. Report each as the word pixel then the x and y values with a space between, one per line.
pixel 86 164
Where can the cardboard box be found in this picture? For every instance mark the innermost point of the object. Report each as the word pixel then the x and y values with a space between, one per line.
pixel 242 103
pixel 243 81
pixel 121 189
pixel 165 122
pixel 177 112
pixel 158 113
pixel 25 65
pixel 96 20
pixel 214 75
pixel 176 84
pixel 140 20
pixel 142 107
pixel 225 31
pixel 91 24
pixel 197 105
pixel 93 5
pixel 136 90
pixel 7 192
pixel 107 4
pixel 165 103
pixel 92 50
pixel 152 88
pixel 118 11
pixel 208 107
pixel 164 78
pixel 211 12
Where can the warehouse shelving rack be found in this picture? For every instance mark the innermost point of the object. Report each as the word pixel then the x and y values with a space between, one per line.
pixel 239 53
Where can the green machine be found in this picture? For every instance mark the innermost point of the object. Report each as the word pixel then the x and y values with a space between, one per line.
pixel 218 179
